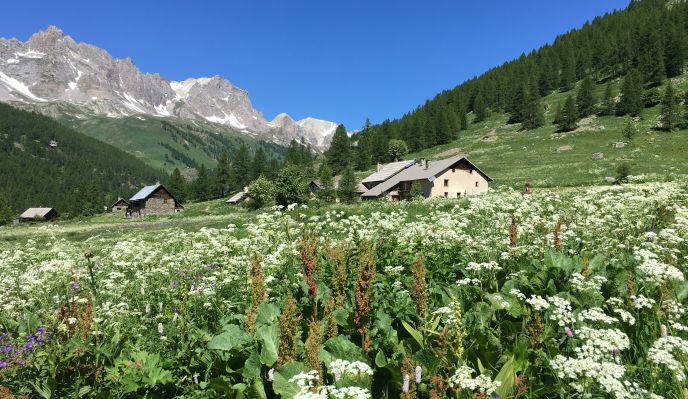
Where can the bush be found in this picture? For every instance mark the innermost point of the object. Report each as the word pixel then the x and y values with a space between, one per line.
pixel 291 186
pixel 262 192
pixel 622 172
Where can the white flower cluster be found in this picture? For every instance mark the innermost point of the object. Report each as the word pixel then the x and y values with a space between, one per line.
pixel 468 281
pixel 642 302
pixel 595 315
pixel 340 368
pixel 651 270
pixel 590 284
pixel 463 379
pixel 308 390
pixel 596 360
pixel 517 293
pixel 491 266
pixel 449 312
pixel 561 310
pixel 394 270
pixel 662 353
pixel 538 302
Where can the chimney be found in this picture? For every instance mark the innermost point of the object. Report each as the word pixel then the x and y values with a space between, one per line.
pixel 427 163
pixel 378 167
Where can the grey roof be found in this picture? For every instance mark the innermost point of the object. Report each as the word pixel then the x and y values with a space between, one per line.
pixel 237 197
pixel 144 192
pixel 33 212
pixel 420 172
pixel 387 171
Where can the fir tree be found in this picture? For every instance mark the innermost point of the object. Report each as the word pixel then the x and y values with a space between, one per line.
pixel 444 130
pixel 585 98
pixel 201 186
pixel 674 54
pixel 242 167
pixel 177 185
pixel 6 212
pixel 326 191
pixel 339 153
pixel 608 101
pixel 479 108
pixel 631 94
pixel 533 114
pixel 223 177
pixel 669 117
pixel 629 130
pixel 568 116
pixel 259 164
pixel 651 56
pixel 464 120
pixel 568 72
pixel 346 191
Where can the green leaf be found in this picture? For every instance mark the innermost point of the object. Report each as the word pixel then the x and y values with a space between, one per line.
pixel 42 390
pixel 267 313
pixel 281 384
pixel 380 359
pixel 233 337
pixel 268 353
pixel 507 376
pixel 341 348
pixel 84 390
pixel 252 367
pixel 258 390
pixel 415 334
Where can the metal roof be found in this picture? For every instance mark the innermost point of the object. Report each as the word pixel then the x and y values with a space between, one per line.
pixel 33 212
pixel 420 172
pixel 387 171
pixel 237 197
pixel 144 193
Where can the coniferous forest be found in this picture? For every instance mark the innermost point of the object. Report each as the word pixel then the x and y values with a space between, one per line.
pixel 77 176
pixel 642 45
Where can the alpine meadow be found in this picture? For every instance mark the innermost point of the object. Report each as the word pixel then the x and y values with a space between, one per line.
pixel 522 235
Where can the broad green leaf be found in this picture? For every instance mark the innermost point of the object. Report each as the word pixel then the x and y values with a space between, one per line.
pixel 252 367
pixel 268 353
pixel 258 390
pixel 380 359
pixel 507 376
pixel 341 348
pixel 267 313
pixel 233 337
pixel 281 384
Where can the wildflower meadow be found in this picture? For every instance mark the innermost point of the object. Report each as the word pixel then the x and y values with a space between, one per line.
pixel 576 293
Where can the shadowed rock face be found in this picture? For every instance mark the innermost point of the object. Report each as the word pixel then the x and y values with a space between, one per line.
pixel 51 68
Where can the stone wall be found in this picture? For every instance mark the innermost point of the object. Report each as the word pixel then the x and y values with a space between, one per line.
pixel 158 206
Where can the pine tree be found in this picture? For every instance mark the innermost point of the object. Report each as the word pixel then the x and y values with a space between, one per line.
pixel 631 94
pixel 339 153
pixel 479 108
pixel 464 120
pixel 259 164
pixel 242 167
pixel 608 101
pixel 629 131
pixel 201 186
pixel 326 191
pixel 177 185
pixel 669 117
pixel 651 56
pixel 585 98
pixel 674 53
pixel 568 116
pixel 346 192
pixel 444 131
pixel 568 72
pixel 533 114
pixel 5 210
pixel 222 178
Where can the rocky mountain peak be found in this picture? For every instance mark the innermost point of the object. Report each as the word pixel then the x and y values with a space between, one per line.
pixel 51 68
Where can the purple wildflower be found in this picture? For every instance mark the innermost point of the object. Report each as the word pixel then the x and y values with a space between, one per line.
pixel 74 285
pixel 569 332
pixel 419 372
pixel 405 384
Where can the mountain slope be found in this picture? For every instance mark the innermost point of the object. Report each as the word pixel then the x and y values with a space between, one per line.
pixel 77 176
pixel 648 41
pixel 51 68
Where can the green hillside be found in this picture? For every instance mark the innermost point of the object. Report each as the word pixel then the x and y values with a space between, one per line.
pixel 77 176
pixel 613 70
pixel 545 157
pixel 170 143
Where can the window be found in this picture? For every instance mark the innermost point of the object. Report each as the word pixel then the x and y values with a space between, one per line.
pixel 165 200
pixel 476 184
pixel 446 182
pixel 446 195
pixel 453 170
pixel 458 195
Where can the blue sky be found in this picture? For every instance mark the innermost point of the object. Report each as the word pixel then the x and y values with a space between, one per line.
pixel 336 60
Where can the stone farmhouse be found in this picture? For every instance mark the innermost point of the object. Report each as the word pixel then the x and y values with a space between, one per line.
pixel 32 214
pixel 453 177
pixel 120 205
pixel 153 200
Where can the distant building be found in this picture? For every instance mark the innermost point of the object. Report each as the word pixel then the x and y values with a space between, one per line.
pixel 153 200
pixel 52 144
pixel 120 205
pixel 238 197
pixel 446 178
pixel 46 214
